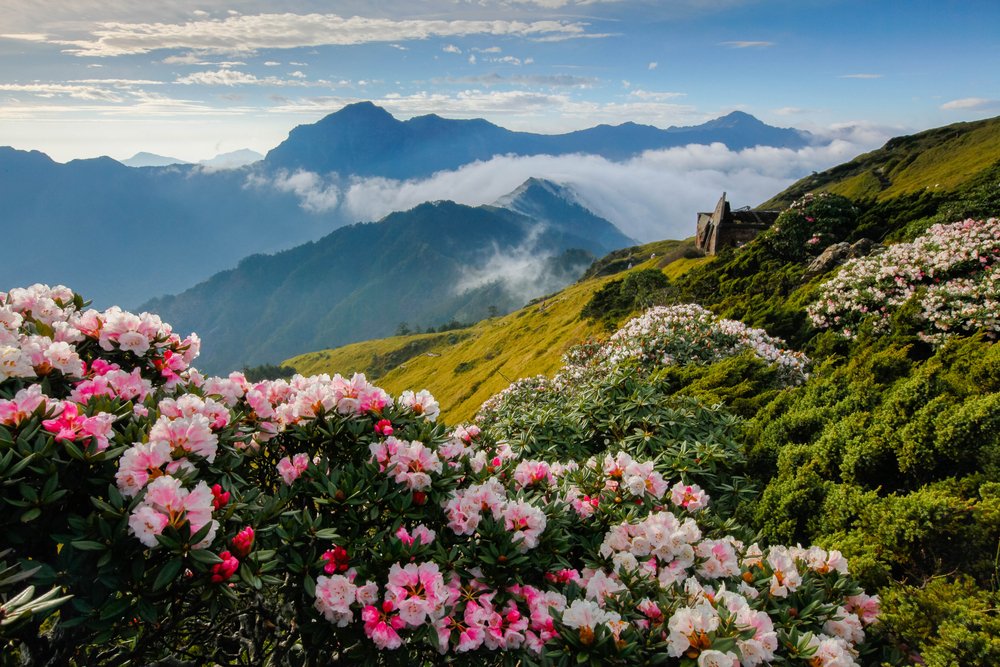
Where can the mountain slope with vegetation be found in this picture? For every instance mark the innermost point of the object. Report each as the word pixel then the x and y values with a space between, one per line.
pixel 888 452
pixel 935 162
pixel 464 368
pixel 426 267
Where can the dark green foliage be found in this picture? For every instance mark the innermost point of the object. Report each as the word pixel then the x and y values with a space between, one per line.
pixel 636 291
pixel 267 372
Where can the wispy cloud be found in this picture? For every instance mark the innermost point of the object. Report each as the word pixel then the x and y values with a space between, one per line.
pixel 653 65
pixel 975 103
pixel 247 33
pixel 232 77
pixel 862 75
pixel 654 96
pixel 741 44
pixel 451 48
pixel 549 80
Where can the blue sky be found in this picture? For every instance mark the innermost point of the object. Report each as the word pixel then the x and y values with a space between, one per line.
pixel 189 79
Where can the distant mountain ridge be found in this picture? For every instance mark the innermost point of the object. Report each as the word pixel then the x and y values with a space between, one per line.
pixel 366 140
pixel 127 234
pixel 230 160
pixel 437 262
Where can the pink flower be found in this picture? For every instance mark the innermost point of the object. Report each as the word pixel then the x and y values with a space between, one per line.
pixel 72 426
pixel 418 591
pixel 187 435
pixel 383 427
pixel 421 403
pixel 529 473
pixel 421 532
pixel 146 523
pixel 382 626
pixel 140 463
pixel 866 607
pixel 334 597
pixel 526 523
pixel 411 464
pixel 22 406
pixel 689 496
pixel 290 468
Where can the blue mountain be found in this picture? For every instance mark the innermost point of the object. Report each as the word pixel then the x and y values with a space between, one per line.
pixel 435 263
pixel 364 139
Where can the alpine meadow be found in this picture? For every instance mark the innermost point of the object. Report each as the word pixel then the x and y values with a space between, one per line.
pixel 553 332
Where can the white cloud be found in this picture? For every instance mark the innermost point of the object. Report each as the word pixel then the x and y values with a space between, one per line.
pixel 247 33
pixel 739 44
pixel 315 194
pixel 652 196
pixel 861 75
pixel 451 48
pixel 977 103
pixel 472 59
pixel 297 74
pixel 789 111
pixel 654 96
pixel 551 80
pixel 271 63
pixel 491 49
pixel 232 77
pixel 653 65
pixel 80 91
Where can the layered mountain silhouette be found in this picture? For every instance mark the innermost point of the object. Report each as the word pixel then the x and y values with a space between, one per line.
pixel 435 263
pixel 122 235
pixel 366 140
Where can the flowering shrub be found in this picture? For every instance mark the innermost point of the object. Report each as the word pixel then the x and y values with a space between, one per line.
pixel 318 520
pixel 686 334
pixel 809 225
pixel 951 272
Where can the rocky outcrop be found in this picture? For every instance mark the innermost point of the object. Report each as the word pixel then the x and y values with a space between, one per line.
pixel 836 254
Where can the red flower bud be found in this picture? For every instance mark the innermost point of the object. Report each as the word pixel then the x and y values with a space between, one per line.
pixel 226 569
pixel 220 498
pixel 243 542
pixel 419 497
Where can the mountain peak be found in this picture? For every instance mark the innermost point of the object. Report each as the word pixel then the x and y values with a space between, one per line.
pixel 359 111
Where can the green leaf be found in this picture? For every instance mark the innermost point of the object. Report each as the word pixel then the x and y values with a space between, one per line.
pixel 88 545
pixel 205 556
pixel 31 515
pixel 327 534
pixel 168 574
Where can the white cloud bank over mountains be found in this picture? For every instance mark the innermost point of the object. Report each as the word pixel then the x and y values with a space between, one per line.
pixel 649 197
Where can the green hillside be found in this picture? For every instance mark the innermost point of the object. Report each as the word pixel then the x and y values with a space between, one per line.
pixel 938 160
pixel 463 368
pixel 888 453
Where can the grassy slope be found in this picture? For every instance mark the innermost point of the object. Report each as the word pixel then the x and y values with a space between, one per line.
pixel 464 368
pixel 939 159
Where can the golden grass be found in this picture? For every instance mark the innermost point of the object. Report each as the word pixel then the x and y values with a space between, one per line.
pixel 464 373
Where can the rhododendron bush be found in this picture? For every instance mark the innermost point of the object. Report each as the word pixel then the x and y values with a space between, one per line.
pixel 321 521
pixel 951 274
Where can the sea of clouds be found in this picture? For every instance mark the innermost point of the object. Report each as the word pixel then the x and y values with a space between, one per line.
pixel 653 196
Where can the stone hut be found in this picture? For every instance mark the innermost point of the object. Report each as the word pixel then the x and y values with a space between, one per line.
pixel 726 227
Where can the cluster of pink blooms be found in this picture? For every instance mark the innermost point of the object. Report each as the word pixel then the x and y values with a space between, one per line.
pixel 466 507
pixel 713 578
pixel 674 335
pixel 168 503
pixel 952 269
pixel 408 463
